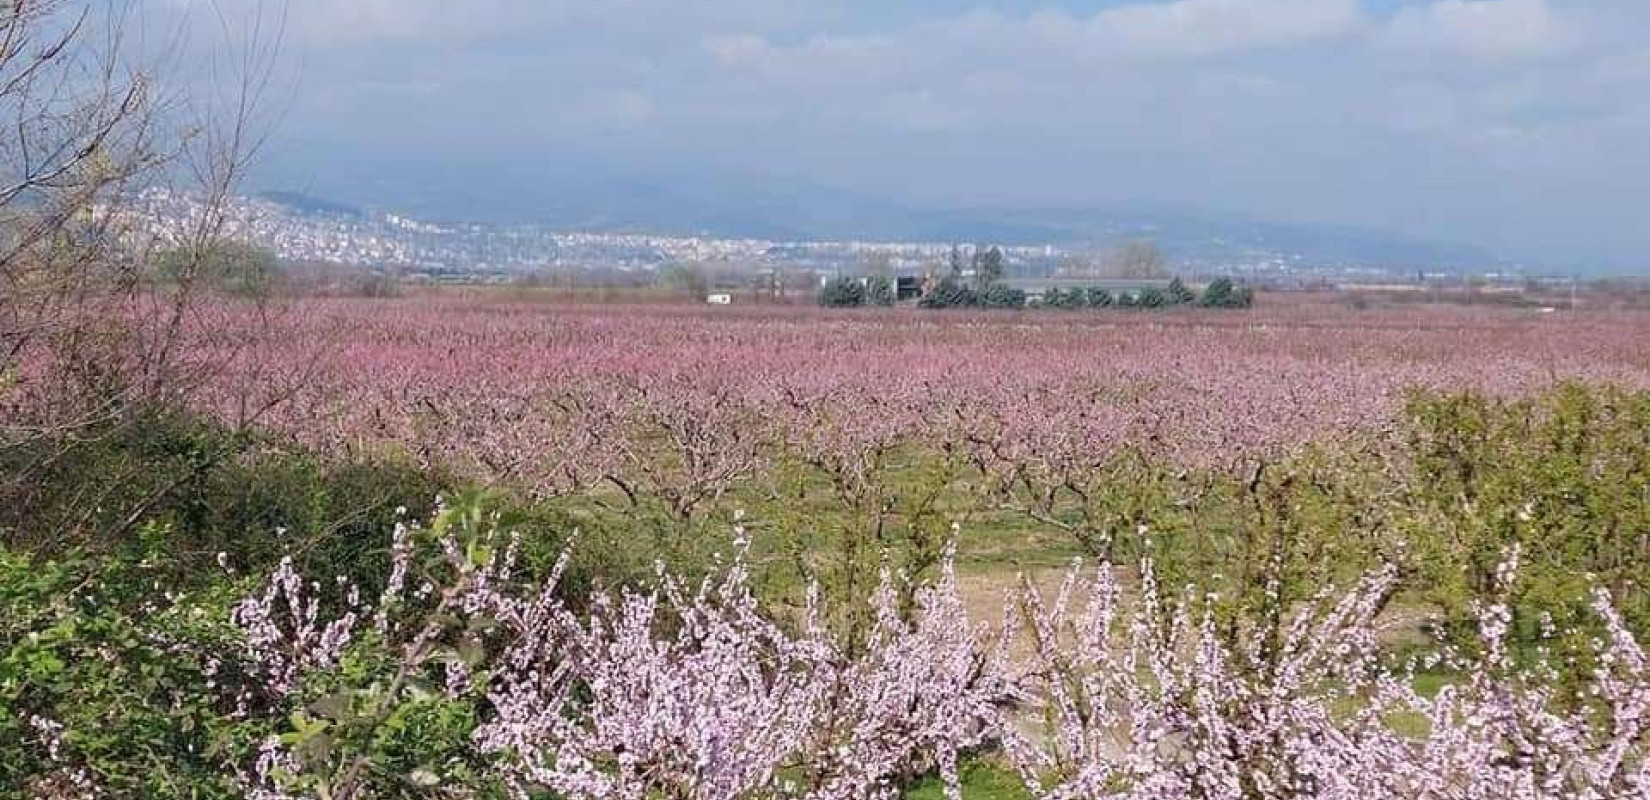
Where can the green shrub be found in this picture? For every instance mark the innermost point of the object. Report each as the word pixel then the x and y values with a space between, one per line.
pixel 950 293
pixel 842 292
pixel 1065 299
pixel 879 291
pixel 215 490
pixel 1565 476
pixel 81 648
pixel 1179 294
pixel 1222 293
pixel 999 295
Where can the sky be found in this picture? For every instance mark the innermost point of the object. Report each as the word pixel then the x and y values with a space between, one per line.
pixel 1518 125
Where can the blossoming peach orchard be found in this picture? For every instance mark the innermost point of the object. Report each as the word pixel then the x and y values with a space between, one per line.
pixel 555 400
pixel 695 692
pixel 727 554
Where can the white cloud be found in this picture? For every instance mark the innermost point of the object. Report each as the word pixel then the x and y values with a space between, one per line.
pixel 1194 28
pixel 1182 29
pixel 624 107
pixel 1313 107
pixel 821 60
pixel 342 22
pixel 1144 32
pixel 739 49
pixel 922 112
pixel 1480 29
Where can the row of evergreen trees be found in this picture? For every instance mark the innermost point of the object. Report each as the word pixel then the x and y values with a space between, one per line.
pixel 953 292
pixel 1220 293
pixel 840 292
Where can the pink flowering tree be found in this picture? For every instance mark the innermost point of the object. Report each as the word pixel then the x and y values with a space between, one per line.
pixel 1057 457
pixel 347 679
pixel 698 694
pixel 677 692
pixel 885 482
pixel 1152 703
pixel 686 443
pixel 1508 728
pixel 1149 701
pixel 928 687
pixel 698 691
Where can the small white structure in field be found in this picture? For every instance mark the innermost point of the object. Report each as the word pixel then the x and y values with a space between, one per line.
pixel 719 299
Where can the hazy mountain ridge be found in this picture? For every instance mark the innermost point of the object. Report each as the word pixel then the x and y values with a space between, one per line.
pixel 779 211
pixel 302 203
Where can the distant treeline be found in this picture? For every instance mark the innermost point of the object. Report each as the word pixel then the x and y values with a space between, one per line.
pixel 951 292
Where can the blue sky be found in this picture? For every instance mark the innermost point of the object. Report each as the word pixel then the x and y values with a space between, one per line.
pixel 1516 124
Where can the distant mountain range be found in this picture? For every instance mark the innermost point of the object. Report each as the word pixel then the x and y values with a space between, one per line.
pixel 782 211
pixel 301 203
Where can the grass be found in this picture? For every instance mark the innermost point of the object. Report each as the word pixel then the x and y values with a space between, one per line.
pixel 981 780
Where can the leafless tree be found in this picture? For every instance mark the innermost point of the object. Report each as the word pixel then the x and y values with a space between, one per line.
pixel 1138 259
pixel 78 129
pixel 89 338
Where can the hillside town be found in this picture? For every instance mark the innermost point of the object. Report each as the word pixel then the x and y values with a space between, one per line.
pixel 326 234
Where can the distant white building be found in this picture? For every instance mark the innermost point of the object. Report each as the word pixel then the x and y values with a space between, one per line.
pixel 719 299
